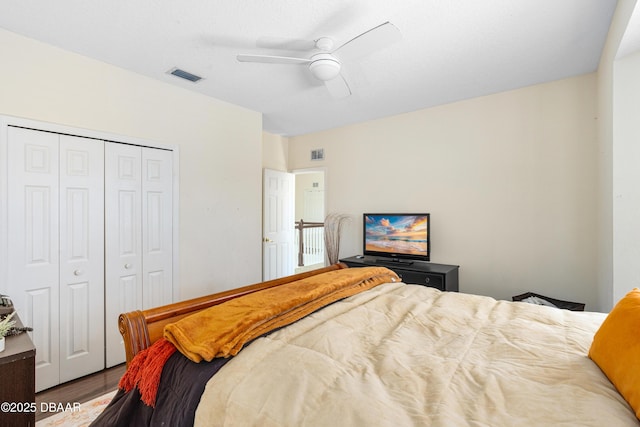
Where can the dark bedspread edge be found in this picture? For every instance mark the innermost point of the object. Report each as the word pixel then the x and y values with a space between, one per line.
pixel 181 385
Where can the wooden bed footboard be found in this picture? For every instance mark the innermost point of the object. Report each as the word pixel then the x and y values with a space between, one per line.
pixel 141 328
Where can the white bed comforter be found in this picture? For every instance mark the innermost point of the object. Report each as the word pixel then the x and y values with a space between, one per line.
pixel 406 355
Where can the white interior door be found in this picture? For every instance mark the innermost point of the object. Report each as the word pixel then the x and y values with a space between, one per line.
pixel 123 245
pixel 81 256
pixel 33 259
pixel 139 235
pixel 157 227
pixel 278 250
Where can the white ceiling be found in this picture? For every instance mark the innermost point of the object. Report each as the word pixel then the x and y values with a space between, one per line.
pixel 450 49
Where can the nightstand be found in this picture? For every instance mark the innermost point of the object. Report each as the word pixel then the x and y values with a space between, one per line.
pixel 18 376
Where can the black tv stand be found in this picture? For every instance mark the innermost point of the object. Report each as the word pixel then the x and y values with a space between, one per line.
pixel 440 276
pixel 393 261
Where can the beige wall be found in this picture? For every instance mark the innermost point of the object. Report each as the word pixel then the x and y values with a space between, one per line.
pixel 509 180
pixel 275 152
pixel 220 148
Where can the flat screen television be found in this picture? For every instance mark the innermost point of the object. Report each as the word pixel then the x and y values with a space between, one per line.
pixel 397 236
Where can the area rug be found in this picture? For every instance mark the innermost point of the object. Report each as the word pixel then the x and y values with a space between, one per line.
pixel 80 416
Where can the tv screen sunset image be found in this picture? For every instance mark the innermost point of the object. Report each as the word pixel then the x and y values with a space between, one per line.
pixel 401 234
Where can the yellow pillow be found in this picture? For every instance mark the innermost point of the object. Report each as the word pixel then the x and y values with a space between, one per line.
pixel 616 348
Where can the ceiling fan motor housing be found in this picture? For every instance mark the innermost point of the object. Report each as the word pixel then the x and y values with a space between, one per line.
pixel 325 44
pixel 324 66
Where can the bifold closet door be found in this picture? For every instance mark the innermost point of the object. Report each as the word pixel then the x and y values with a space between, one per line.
pixel 81 257
pixel 157 227
pixel 55 257
pixel 33 257
pixel 139 234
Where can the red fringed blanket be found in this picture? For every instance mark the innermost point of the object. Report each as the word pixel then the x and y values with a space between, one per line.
pixel 145 370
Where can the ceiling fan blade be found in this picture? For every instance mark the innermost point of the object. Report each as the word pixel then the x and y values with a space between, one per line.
pixel 268 59
pixel 374 39
pixel 285 43
pixel 338 87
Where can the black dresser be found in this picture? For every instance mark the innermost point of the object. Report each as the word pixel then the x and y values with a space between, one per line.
pixel 440 276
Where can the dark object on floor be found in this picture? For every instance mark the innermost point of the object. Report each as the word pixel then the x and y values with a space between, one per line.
pixel 533 298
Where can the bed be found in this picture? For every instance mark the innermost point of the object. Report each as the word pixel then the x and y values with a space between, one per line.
pixel 374 351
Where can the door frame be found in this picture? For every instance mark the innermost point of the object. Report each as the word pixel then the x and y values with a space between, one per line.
pixel 293 196
pixel 324 171
pixel 326 182
pixel 6 121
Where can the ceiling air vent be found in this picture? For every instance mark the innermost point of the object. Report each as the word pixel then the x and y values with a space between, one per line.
pixel 184 75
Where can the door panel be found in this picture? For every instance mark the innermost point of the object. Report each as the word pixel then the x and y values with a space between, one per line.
pixel 38 227
pixel 75 322
pixel 127 201
pixel 128 289
pixel 278 224
pixel 155 289
pixel 157 227
pixel 123 246
pixel 33 258
pixel 81 256
pixel 41 312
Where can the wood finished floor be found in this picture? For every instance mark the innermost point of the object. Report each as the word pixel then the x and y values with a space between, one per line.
pixel 82 389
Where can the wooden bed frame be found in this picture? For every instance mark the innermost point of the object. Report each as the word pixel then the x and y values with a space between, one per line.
pixel 141 328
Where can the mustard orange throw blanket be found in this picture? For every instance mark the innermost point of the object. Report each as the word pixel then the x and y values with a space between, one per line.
pixel 222 330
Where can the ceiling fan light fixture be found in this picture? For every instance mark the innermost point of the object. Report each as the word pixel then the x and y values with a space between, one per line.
pixel 324 67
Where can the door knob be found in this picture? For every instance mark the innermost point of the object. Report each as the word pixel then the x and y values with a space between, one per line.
pixel 266 240
pixel 77 272
pixel 127 266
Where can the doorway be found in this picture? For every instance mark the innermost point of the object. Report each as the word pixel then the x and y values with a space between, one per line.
pixel 292 222
pixel 310 212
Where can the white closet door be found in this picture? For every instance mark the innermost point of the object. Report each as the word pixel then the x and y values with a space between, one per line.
pixel 123 241
pixel 81 256
pixel 33 259
pixel 139 235
pixel 157 227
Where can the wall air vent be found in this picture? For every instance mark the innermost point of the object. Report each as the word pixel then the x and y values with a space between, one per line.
pixel 317 154
pixel 184 75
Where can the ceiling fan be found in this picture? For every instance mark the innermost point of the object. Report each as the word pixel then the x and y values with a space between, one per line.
pixel 325 62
